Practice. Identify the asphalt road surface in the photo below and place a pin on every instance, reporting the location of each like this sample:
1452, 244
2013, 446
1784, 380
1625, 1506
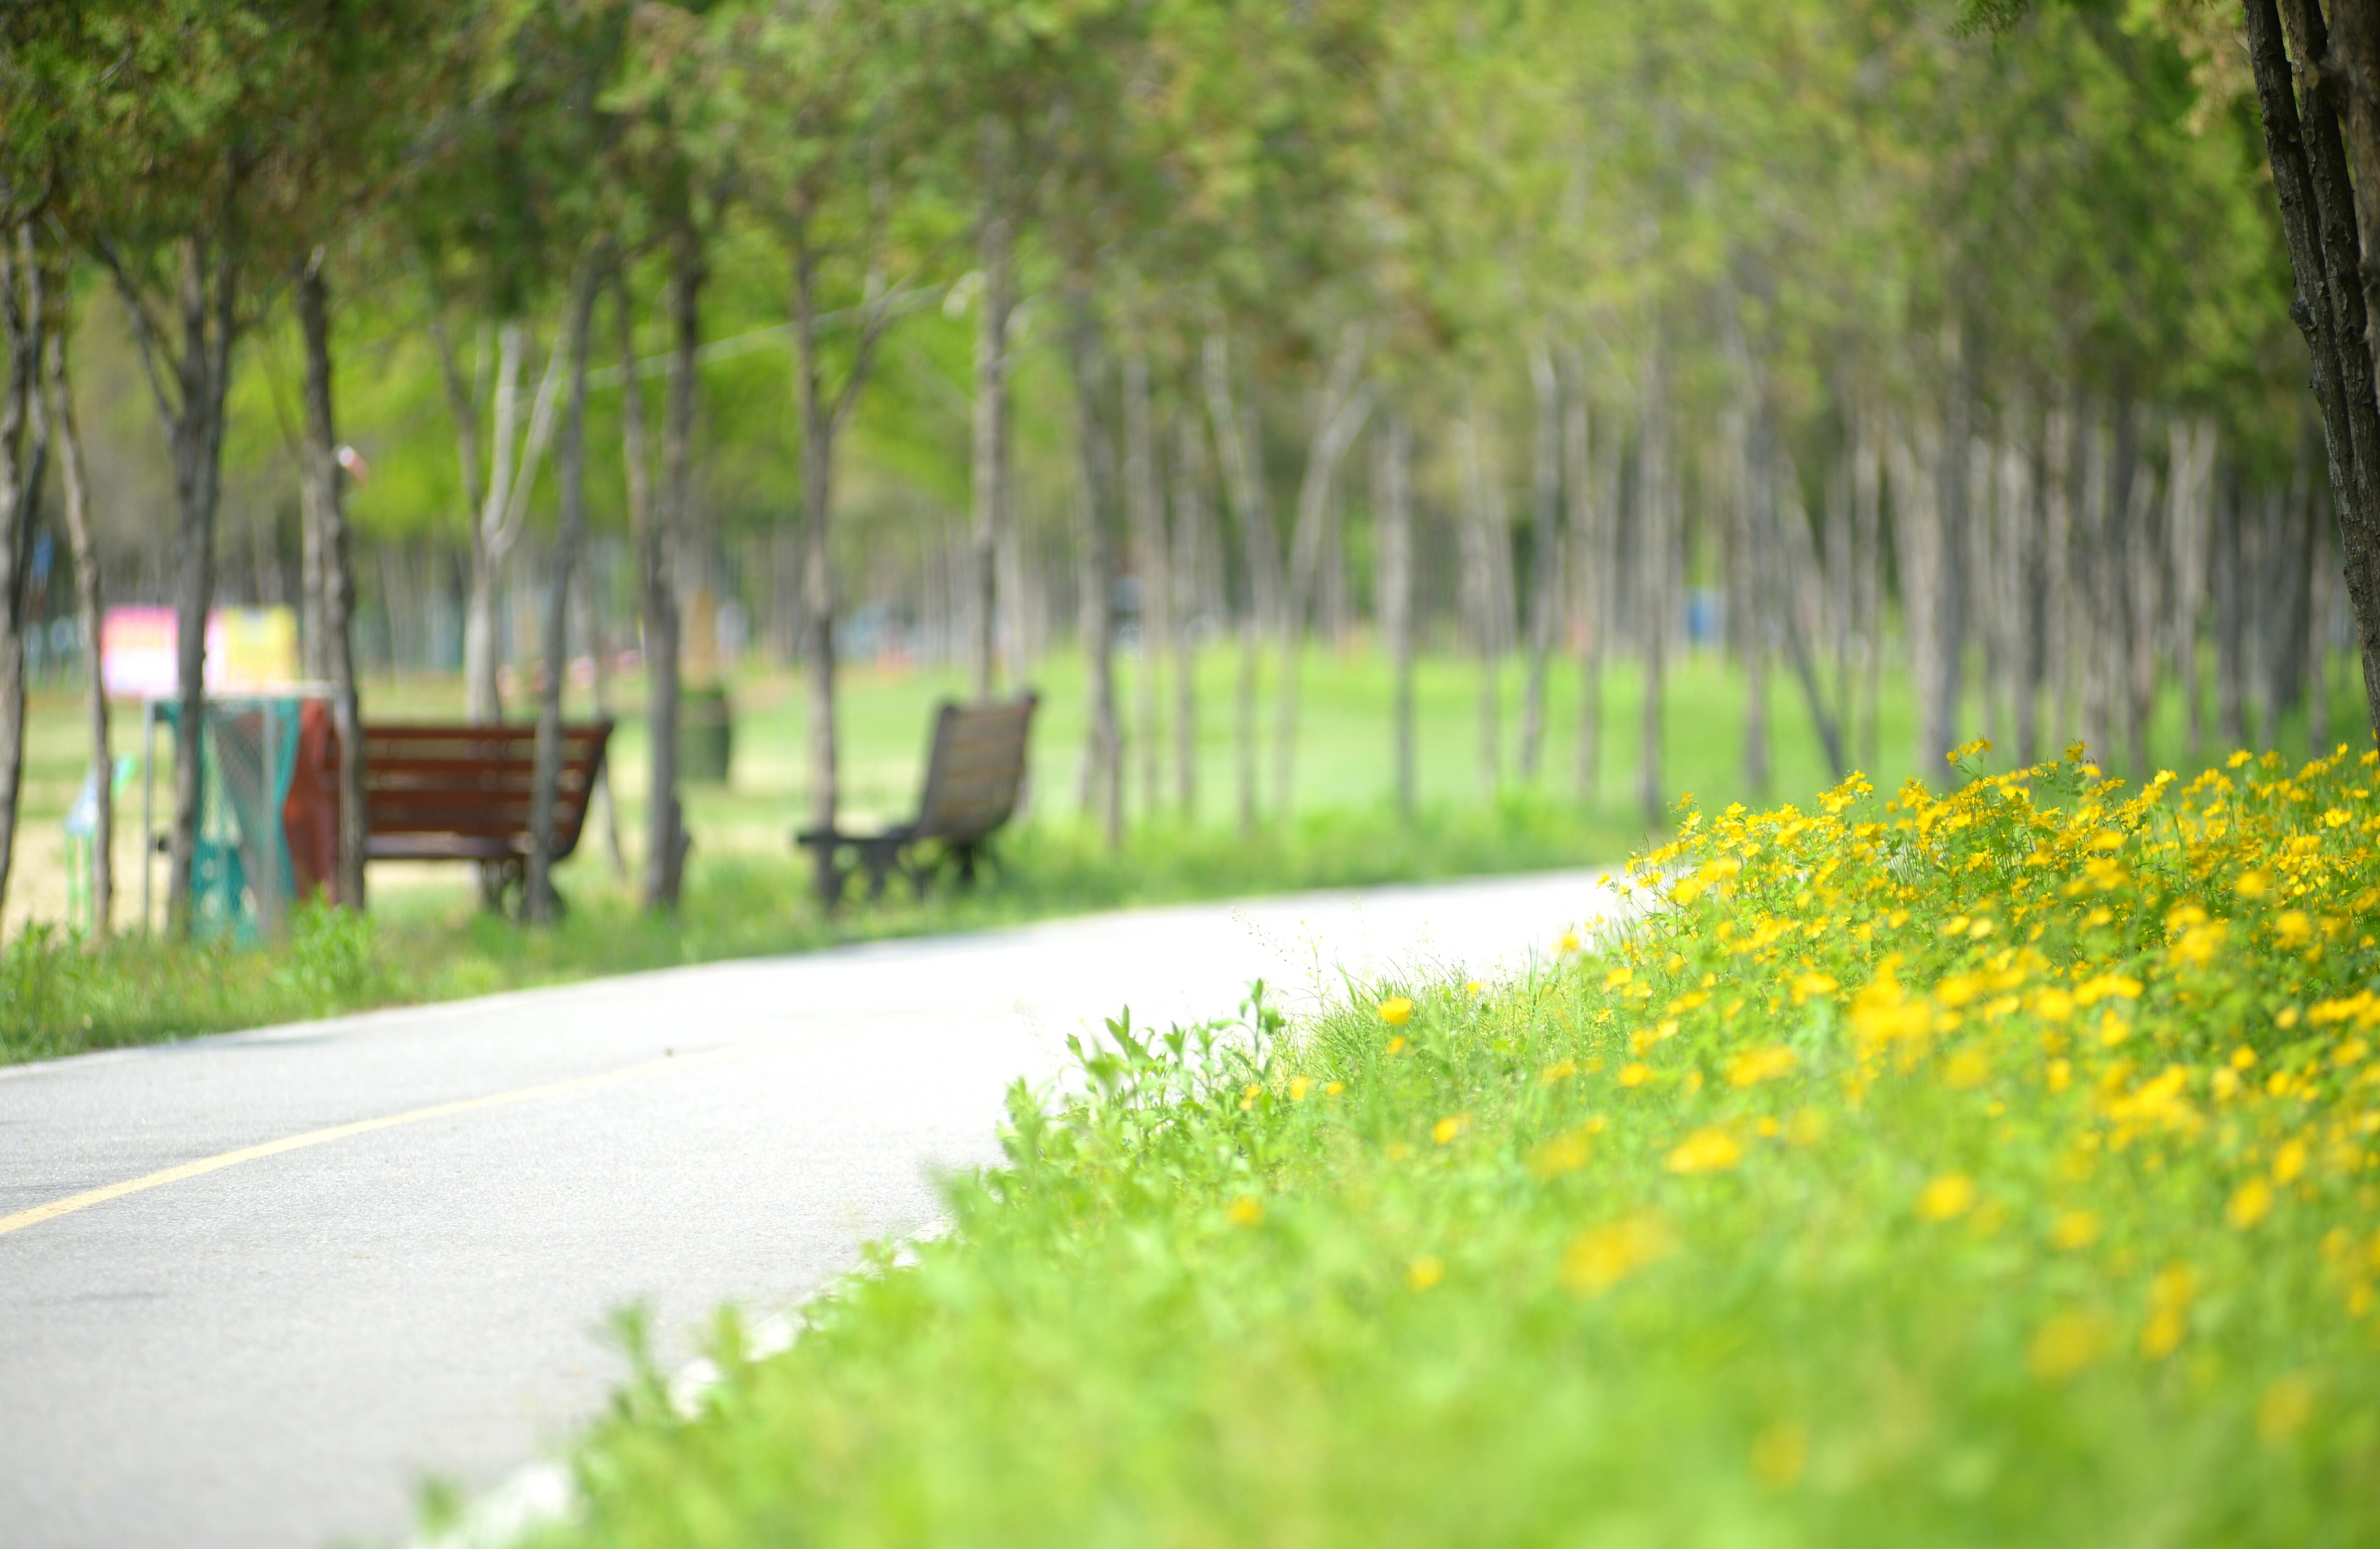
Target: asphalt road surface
382, 1248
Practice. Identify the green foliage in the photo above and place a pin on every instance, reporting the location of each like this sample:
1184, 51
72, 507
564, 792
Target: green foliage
58, 997
1984, 1169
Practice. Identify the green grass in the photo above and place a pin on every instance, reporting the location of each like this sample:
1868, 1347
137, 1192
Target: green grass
1994, 1170
746, 895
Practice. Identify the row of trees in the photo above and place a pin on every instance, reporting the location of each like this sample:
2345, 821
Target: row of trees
1845, 309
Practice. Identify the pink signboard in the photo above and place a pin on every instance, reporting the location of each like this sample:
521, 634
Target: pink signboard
249, 650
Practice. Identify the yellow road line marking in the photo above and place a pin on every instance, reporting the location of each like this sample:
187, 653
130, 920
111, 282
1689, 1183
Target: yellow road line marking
205, 1165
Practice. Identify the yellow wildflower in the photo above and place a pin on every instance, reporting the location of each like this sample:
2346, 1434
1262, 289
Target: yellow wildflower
1779, 1455
1708, 1150
1397, 1010
1755, 1065
1946, 1198
2074, 1229
2250, 1202
1425, 1272
2066, 1343
1602, 1258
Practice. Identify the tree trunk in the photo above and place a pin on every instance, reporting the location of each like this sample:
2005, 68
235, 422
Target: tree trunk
1103, 752
1148, 518
666, 837
1783, 552
2061, 470
989, 482
1592, 489
570, 469
1242, 478
1480, 594
1545, 607
483, 696
2230, 614
2191, 454
1339, 419
820, 705
24, 454
2318, 219
326, 519
657, 597
1746, 570
1656, 546
206, 307
2322, 582
1838, 572
1190, 526
1867, 534
89, 608
1918, 541
602, 797
1392, 481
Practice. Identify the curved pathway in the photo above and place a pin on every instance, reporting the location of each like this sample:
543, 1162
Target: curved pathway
254, 1289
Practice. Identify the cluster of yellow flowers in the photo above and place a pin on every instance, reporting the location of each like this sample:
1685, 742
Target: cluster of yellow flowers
2182, 976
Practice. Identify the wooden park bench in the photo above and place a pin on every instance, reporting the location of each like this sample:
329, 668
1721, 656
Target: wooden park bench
463, 793
974, 772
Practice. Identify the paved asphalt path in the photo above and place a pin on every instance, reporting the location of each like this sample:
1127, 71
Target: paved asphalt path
277, 1351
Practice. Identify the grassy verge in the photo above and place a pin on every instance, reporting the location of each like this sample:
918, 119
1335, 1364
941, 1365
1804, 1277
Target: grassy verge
57, 997
1989, 1169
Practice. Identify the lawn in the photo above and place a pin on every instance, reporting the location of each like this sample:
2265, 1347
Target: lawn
744, 893
1994, 1168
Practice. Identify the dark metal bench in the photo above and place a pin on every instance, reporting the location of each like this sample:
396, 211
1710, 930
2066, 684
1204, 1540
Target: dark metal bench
974, 772
463, 793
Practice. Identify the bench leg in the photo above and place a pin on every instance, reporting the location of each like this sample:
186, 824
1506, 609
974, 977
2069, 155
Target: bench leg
827, 874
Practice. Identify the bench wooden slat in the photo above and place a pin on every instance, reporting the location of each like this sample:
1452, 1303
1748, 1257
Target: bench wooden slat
975, 772
466, 793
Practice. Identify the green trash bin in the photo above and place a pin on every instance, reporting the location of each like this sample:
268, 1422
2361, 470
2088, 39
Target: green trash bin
706, 735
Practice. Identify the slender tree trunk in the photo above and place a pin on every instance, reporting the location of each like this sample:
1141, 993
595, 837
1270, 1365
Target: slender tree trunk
2230, 613
1340, 416
2191, 454
1393, 479
1839, 571
1784, 553
819, 707
1544, 608
657, 597
1148, 518
1867, 524
206, 303
1746, 570
1943, 693
2322, 583
602, 797
2035, 625
1480, 594
1103, 755
2061, 474
24, 454
570, 469
483, 697
1918, 540
1242, 478
1591, 514
990, 473
326, 519
1190, 526
1657, 544
89, 607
